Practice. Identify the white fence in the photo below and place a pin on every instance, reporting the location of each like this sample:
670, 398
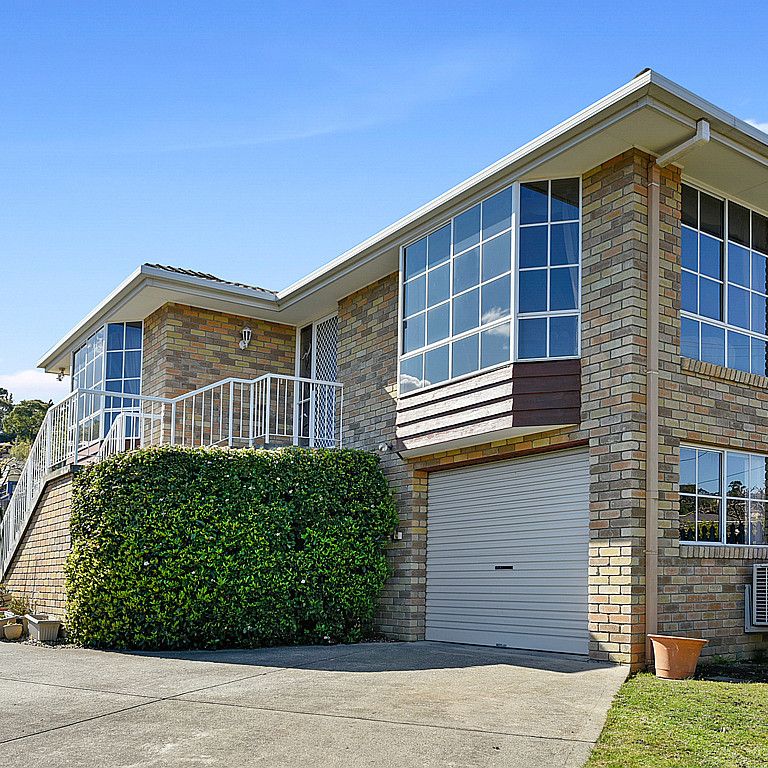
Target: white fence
270, 411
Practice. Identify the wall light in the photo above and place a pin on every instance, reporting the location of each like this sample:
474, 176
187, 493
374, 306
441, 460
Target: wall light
246, 337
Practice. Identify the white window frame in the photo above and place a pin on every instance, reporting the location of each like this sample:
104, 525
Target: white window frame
516, 270
101, 411
513, 317
722, 324
723, 497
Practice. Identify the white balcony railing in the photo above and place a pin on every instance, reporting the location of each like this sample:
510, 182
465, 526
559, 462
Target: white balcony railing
270, 411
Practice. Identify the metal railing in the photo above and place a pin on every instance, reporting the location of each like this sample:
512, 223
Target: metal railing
270, 411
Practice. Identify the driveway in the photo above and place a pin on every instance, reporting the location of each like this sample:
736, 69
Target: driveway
391, 704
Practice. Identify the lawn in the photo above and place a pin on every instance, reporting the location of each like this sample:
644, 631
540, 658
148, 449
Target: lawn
685, 724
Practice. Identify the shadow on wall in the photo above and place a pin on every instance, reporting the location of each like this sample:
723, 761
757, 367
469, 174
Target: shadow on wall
387, 657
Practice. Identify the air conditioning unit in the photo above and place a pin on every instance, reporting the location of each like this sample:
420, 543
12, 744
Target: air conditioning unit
760, 594
756, 600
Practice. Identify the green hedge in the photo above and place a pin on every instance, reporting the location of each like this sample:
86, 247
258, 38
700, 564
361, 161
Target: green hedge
177, 548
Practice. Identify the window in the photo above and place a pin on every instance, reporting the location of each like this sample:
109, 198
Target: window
88, 373
109, 360
548, 256
724, 283
123, 370
722, 496
457, 308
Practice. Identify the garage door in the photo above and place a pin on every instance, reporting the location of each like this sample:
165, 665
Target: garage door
507, 553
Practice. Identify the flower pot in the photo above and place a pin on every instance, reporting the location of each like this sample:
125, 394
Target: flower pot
41, 628
7, 617
13, 631
675, 658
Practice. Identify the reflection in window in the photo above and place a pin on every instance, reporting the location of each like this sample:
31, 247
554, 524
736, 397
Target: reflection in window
109, 360
458, 288
723, 284
457, 296
722, 496
548, 277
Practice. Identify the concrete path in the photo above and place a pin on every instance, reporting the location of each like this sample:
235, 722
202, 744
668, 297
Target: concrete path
398, 704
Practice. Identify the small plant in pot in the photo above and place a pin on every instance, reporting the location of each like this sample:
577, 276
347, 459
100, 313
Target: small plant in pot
675, 658
13, 631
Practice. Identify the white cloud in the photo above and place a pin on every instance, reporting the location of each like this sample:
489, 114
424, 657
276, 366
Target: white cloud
760, 126
34, 384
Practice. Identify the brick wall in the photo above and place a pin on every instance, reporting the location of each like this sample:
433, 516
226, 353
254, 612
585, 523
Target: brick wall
700, 593
367, 367
186, 348
37, 569
367, 363
614, 258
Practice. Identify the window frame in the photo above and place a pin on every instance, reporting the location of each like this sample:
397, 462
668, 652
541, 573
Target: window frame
513, 318
101, 412
723, 325
516, 270
723, 497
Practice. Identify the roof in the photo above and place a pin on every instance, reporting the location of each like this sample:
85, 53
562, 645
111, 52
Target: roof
207, 276
649, 112
11, 471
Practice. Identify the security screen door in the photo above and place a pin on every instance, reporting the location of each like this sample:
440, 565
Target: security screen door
318, 344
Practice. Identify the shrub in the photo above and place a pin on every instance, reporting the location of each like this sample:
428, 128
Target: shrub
180, 548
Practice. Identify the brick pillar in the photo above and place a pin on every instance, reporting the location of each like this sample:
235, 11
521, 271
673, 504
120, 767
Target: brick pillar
367, 366
614, 241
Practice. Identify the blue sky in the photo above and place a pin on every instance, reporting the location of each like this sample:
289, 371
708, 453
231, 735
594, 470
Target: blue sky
259, 140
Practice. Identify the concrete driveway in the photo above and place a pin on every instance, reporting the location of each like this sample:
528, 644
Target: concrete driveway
399, 704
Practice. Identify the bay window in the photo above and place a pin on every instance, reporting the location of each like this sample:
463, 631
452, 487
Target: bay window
722, 497
109, 360
724, 282
459, 282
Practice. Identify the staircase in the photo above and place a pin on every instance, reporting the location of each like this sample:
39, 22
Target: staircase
270, 411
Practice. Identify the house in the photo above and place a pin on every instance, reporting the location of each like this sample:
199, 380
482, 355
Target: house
9, 478
562, 361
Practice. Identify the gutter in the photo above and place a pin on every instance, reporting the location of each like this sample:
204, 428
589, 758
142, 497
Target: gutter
677, 153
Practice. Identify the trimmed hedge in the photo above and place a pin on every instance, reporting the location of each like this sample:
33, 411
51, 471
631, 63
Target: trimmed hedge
179, 548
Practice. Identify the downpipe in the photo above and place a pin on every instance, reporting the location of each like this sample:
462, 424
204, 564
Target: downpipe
653, 292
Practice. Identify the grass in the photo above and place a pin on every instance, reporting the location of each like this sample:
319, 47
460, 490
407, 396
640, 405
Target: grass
685, 724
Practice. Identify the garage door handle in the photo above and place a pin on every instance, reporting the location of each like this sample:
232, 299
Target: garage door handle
503, 567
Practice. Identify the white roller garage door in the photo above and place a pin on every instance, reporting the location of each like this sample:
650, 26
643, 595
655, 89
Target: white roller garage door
507, 553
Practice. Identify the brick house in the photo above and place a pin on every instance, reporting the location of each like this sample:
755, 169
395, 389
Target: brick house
562, 362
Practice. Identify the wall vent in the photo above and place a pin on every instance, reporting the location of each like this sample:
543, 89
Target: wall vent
760, 594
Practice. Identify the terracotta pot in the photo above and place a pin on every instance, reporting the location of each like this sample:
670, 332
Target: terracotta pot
12, 631
675, 658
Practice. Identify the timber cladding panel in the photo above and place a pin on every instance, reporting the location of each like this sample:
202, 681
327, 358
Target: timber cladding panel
522, 395
186, 348
37, 569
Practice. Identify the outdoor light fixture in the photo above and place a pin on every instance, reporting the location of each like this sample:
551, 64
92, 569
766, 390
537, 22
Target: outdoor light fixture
60, 375
384, 447
246, 340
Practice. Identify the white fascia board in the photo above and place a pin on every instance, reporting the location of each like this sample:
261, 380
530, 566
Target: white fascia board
708, 109
648, 89
101, 309
247, 300
293, 292
648, 81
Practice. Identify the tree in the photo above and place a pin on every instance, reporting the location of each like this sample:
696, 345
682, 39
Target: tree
25, 419
6, 406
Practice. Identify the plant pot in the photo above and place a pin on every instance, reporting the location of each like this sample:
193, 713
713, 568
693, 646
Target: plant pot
13, 631
675, 658
7, 617
41, 628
